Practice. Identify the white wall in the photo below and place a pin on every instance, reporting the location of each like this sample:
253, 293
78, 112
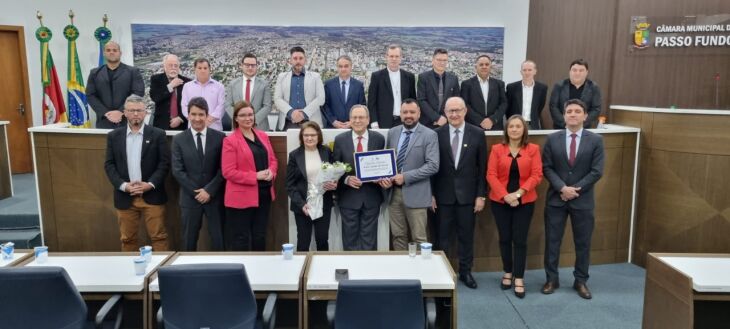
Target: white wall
513, 15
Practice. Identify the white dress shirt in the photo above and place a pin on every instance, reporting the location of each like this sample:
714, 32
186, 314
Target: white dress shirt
364, 141
527, 101
395, 86
484, 85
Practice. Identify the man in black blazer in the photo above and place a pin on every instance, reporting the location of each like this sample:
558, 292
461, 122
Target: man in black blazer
460, 185
137, 160
434, 88
166, 92
577, 86
527, 96
196, 164
359, 201
484, 97
572, 161
388, 88
108, 86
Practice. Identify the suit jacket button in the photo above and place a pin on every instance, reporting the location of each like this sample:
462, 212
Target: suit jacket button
570, 173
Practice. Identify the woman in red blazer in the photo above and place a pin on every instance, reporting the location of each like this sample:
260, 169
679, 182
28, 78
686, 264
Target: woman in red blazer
513, 172
248, 164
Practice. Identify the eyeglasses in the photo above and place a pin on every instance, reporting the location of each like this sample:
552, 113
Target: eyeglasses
136, 111
248, 65
454, 111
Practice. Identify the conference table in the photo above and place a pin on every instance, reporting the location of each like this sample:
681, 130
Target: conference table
687, 291
18, 257
268, 272
100, 275
435, 273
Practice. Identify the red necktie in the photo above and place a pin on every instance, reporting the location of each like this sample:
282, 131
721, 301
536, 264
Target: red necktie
173, 104
359, 143
248, 90
571, 157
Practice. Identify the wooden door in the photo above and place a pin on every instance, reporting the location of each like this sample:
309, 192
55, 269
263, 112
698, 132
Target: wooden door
15, 99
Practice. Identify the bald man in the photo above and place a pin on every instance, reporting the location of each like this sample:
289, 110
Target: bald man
166, 91
109, 86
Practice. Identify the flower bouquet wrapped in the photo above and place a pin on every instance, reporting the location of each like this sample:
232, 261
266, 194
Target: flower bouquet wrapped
315, 192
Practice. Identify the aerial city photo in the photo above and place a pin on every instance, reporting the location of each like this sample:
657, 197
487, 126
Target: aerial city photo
224, 46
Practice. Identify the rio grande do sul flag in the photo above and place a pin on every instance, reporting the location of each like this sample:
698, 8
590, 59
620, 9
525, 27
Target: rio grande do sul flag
54, 110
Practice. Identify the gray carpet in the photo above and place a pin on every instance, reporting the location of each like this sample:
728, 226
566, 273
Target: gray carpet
19, 220
618, 297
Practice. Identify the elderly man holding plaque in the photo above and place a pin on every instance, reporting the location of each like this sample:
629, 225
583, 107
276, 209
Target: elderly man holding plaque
359, 201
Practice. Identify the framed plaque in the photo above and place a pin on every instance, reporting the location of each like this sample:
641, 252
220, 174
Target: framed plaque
373, 165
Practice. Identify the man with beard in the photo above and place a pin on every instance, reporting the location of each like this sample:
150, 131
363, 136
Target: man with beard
166, 91
417, 159
137, 161
109, 86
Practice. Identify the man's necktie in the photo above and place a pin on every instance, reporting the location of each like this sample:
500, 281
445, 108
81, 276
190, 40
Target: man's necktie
402, 151
571, 157
344, 91
248, 90
455, 145
359, 143
200, 146
174, 112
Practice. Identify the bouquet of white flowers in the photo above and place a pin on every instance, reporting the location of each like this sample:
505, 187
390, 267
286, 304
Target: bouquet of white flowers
315, 192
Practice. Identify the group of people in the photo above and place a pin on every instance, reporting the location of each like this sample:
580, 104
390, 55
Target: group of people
435, 127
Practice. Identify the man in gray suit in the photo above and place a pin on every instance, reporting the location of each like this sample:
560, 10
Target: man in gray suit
572, 163
434, 88
196, 164
417, 160
253, 89
359, 201
298, 94
109, 86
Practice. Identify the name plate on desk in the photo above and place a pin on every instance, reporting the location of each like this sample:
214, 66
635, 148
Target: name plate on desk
373, 165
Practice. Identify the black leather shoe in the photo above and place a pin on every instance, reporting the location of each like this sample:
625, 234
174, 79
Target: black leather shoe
520, 294
550, 287
468, 280
582, 290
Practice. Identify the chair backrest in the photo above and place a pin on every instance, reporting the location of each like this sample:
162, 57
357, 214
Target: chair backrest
374, 304
206, 295
40, 297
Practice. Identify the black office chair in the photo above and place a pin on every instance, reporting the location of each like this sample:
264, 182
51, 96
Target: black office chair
381, 304
44, 297
210, 296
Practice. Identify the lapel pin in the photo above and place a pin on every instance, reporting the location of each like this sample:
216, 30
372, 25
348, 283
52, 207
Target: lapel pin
147, 141
465, 145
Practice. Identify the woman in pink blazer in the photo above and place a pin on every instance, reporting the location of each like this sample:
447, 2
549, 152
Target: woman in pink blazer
249, 166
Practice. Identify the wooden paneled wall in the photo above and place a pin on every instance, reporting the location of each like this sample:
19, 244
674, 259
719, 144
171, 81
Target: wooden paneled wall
683, 201
78, 209
599, 32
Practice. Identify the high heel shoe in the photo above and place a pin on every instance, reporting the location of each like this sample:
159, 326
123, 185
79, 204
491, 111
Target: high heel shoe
506, 286
520, 294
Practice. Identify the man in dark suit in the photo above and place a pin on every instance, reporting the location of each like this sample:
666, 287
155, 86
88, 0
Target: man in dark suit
341, 93
484, 97
577, 86
388, 88
460, 185
572, 162
165, 91
196, 164
434, 88
527, 96
137, 160
109, 86
359, 201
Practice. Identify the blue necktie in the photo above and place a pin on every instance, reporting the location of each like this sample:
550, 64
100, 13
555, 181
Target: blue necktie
344, 92
402, 151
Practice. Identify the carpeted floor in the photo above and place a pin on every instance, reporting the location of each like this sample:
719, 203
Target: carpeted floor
618, 297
